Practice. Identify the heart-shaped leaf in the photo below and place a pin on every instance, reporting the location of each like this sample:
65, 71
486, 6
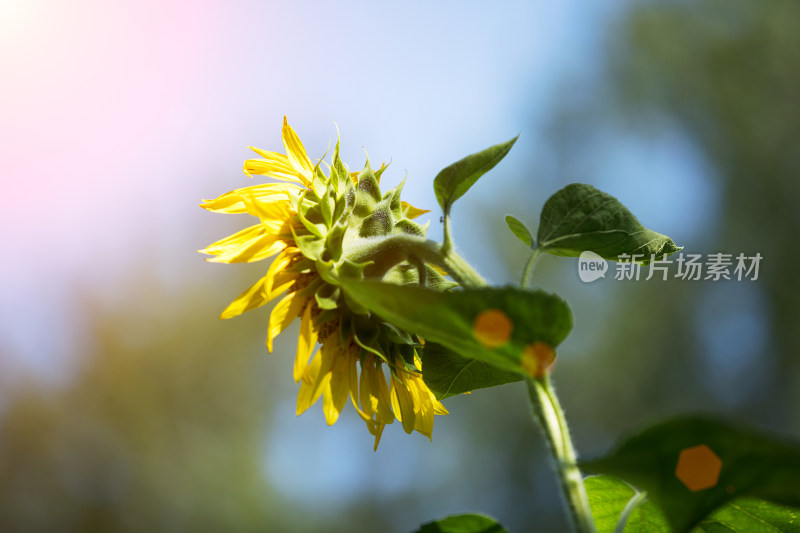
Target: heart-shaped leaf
580, 218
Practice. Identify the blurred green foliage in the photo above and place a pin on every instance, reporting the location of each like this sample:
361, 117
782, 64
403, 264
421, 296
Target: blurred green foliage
160, 430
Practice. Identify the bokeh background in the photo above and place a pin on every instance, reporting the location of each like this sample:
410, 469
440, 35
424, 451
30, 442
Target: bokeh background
125, 405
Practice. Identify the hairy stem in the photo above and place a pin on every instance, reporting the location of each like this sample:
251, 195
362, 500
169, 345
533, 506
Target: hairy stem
527, 272
409, 246
447, 245
547, 411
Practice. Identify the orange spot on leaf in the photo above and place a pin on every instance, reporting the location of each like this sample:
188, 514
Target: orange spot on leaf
698, 468
537, 358
492, 328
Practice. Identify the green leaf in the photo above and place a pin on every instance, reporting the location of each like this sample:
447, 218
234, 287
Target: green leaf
463, 523
752, 464
580, 218
610, 498
448, 374
520, 230
746, 515
452, 182
447, 318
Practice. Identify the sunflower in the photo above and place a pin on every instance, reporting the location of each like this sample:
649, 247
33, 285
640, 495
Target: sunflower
317, 226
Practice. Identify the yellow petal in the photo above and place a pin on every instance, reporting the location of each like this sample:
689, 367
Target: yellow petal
231, 202
369, 400
253, 297
423, 407
283, 280
354, 384
256, 249
296, 153
273, 164
305, 344
312, 385
233, 241
276, 210
261, 168
375, 392
284, 312
326, 355
411, 211
246, 237
335, 398
283, 260
402, 403
438, 408
376, 428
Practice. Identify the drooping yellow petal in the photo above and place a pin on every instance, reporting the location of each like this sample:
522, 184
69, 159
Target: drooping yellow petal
326, 356
375, 396
423, 407
283, 280
438, 408
312, 384
369, 401
296, 153
376, 429
354, 386
283, 260
402, 404
335, 398
411, 211
284, 312
352, 369
306, 343
255, 296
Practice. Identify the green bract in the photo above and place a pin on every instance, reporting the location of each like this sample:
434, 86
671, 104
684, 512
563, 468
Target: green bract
347, 229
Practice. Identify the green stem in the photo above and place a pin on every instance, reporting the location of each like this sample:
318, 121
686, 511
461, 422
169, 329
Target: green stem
447, 245
400, 247
548, 412
527, 272
461, 271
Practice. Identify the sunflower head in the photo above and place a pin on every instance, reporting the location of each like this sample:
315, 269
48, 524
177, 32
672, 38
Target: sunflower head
322, 223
